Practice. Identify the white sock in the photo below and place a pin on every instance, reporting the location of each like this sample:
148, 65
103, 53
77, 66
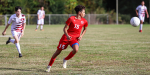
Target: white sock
141, 26
37, 26
41, 26
18, 47
12, 40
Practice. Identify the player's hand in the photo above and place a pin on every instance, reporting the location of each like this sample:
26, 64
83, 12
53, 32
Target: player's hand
3, 33
147, 16
137, 14
79, 39
22, 34
69, 37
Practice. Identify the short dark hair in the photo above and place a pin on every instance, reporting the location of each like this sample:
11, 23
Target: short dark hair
18, 7
79, 8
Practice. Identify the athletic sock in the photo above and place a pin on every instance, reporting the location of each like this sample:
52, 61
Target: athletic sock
12, 40
41, 27
18, 47
69, 56
51, 61
37, 26
141, 26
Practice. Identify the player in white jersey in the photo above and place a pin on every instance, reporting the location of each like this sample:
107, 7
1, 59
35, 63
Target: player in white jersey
41, 16
18, 21
140, 12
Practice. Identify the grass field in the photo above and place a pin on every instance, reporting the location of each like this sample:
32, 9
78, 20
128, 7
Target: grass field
104, 50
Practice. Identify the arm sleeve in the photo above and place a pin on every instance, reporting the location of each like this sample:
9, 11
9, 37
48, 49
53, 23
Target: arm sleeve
10, 20
24, 20
86, 24
145, 8
68, 21
38, 12
137, 8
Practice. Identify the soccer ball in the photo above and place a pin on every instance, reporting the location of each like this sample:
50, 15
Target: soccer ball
135, 21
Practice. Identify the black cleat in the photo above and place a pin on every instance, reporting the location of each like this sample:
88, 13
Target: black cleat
8, 41
20, 55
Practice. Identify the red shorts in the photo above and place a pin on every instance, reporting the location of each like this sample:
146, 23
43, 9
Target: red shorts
63, 43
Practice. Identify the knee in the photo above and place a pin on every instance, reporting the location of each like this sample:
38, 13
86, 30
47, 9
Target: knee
16, 41
141, 22
75, 51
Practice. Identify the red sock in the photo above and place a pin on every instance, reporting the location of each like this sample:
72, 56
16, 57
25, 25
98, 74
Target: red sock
69, 56
51, 61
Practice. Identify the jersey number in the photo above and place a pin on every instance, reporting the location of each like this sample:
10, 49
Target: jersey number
62, 46
76, 26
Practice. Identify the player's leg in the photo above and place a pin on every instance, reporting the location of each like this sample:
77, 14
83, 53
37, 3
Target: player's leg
62, 45
16, 37
41, 27
141, 23
42, 23
75, 47
52, 60
8, 41
38, 22
141, 26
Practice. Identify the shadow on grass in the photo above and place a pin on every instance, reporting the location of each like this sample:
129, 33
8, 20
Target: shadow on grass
30, 69
14, 69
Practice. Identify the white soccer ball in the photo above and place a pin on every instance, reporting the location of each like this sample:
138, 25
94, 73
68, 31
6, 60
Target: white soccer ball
135, 21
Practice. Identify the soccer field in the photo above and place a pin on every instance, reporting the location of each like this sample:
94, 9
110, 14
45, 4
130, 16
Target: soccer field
104, 50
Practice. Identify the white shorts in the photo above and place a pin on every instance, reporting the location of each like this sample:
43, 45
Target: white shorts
41, 21
14, 33
141, 17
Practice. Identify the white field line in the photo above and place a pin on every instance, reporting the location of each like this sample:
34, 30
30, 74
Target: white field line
107, 41
6, 36
100, 41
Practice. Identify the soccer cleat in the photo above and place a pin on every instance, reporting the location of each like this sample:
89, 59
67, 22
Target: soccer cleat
140, 30
8, 41
20, 55
48, 68
64, 63
35, 29
42, 30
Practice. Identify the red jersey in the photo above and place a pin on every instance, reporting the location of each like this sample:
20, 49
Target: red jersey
75, 26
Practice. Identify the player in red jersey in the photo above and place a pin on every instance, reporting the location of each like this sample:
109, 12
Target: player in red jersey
71, 35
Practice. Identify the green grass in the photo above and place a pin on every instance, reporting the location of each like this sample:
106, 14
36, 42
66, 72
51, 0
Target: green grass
104, 50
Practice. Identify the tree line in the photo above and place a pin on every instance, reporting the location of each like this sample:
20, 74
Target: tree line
126, 7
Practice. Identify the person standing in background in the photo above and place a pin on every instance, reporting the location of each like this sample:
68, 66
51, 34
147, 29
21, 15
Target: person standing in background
41, 16
140, 12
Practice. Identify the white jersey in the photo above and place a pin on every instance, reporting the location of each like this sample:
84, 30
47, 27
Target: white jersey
141, 10
41, 14
17, 22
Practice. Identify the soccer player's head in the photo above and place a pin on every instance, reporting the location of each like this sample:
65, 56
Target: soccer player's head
18, 10
80, 10
142, 3
42, 8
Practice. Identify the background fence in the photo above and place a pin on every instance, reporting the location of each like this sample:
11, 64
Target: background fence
31, 19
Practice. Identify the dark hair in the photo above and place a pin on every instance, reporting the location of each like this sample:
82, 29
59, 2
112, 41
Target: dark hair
79, 8
18, 7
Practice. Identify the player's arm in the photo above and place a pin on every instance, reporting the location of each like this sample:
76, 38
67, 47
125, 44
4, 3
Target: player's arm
9, 22
66, 33
38, 16
24, 25
83, 32
4, 32
147, 14
136, 12
44, 15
